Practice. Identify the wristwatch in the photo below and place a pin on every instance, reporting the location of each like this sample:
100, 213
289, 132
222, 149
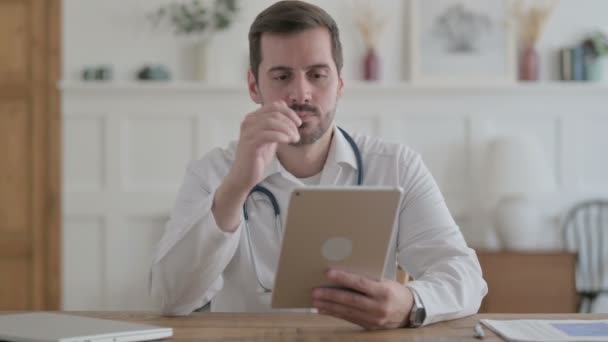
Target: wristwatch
418, 313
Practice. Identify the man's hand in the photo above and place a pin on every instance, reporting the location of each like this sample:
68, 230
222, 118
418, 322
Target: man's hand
375, 304
261, 132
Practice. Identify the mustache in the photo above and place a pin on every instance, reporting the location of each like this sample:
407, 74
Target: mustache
304, 107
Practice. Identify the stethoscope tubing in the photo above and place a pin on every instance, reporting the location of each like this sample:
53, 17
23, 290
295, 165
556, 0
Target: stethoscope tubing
277, 210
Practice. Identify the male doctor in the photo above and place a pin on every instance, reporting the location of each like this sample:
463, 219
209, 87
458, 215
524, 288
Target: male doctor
292, 140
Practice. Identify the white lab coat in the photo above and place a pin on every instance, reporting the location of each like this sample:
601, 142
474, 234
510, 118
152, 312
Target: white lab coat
195, 262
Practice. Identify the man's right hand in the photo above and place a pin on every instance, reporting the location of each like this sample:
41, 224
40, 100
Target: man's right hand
261, 132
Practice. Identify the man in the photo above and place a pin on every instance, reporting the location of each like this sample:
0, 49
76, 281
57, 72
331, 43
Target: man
210, 254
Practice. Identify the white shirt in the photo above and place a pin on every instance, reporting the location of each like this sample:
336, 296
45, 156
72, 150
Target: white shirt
312, 180
196, 262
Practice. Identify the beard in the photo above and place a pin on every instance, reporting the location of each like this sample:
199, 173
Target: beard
310, 132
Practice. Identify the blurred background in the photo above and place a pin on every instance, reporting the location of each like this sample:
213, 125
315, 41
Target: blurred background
103, 104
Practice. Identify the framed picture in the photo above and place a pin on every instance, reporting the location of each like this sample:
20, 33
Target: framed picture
461, 41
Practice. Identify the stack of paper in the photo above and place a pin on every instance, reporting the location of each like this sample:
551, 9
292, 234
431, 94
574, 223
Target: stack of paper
550, 330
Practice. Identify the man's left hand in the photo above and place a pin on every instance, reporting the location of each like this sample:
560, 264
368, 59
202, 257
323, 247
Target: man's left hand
373, 304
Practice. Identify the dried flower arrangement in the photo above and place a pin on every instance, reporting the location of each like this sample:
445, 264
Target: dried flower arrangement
369, 22
532, 19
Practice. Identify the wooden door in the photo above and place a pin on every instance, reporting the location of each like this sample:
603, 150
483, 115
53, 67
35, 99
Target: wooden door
29, 155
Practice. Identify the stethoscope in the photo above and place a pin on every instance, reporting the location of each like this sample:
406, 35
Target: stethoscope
277, 211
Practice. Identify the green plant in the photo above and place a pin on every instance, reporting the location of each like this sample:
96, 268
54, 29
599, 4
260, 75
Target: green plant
596, 45
191, 17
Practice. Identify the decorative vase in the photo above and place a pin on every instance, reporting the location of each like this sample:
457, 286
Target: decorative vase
201, 59
529, 64
371, 65
518, 223
597, 70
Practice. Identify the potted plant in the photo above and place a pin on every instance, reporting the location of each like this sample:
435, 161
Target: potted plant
197, 18
596, 52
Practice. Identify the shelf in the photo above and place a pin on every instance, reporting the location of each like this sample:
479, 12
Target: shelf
350, 86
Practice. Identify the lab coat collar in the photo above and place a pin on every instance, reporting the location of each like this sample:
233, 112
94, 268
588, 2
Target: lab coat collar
340, 152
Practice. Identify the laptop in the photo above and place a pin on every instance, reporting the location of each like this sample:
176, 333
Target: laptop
55, 327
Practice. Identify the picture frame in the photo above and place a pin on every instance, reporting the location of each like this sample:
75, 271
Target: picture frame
461, 41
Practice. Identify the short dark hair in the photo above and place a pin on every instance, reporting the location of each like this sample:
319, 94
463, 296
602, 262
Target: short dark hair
291, 16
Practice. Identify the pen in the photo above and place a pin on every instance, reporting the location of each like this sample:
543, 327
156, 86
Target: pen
478, 331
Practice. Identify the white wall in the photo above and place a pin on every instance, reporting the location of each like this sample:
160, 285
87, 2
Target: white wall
126, 147
116, 32
117, 197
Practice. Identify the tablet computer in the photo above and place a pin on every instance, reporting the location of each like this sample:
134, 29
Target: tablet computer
347, 228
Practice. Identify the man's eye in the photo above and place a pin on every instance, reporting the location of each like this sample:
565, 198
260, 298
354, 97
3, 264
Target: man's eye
281, 77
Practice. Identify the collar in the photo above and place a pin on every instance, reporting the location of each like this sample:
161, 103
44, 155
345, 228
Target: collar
340, 152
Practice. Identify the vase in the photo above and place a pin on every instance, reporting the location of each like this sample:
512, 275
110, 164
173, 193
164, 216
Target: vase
371, 65
597, 70
201, 60
517, 223
529, 64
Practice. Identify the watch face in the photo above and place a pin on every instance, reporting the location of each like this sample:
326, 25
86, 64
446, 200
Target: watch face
420, 316
418, 313
416, 316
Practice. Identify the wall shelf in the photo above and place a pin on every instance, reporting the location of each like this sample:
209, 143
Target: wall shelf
350, 86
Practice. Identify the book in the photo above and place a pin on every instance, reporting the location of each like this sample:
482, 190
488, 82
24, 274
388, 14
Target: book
565, 64
578, 63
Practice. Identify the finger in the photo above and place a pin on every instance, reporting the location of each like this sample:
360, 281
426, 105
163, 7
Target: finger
284, 109
283, 125
345, 297
355, 320
280, 116
259, 122
258, 118
272, 137
356, 282
347, 313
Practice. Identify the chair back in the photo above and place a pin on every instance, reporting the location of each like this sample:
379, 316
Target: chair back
585, 231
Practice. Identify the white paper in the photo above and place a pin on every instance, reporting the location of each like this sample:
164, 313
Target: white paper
549, 330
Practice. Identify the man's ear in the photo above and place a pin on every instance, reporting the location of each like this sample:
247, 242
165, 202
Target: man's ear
254, 91
340, 84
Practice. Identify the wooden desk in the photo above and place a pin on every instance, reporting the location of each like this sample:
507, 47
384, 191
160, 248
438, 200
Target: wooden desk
311, 327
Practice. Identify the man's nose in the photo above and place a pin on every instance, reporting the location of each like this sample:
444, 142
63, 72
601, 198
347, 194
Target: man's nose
299, 91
